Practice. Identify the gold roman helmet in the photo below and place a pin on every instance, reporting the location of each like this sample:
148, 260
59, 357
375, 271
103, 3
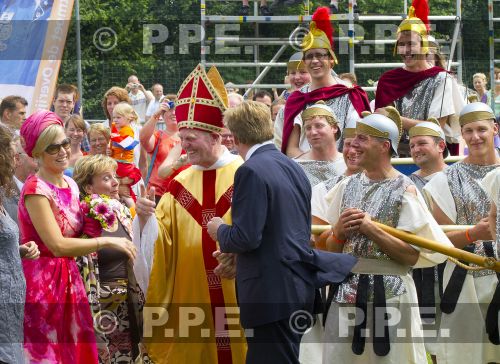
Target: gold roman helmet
321, 109
417, 22
295, 62
350, 129
431, 128
320, 33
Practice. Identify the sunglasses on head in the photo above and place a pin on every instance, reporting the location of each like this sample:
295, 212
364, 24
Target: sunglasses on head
55, 148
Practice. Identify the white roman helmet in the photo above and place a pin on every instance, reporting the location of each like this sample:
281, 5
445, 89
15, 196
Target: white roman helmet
350, 129
429, 128
387, 127
475, 111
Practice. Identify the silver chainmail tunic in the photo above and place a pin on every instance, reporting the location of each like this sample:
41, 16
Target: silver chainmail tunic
419, 181
471, 201
330, 183
318, 171
417, 102
383, 201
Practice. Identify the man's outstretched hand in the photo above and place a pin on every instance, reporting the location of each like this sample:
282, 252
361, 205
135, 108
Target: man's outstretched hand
145, 205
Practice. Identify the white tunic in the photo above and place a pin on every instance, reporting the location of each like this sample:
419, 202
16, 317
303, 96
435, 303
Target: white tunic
463, 337
491, 184
408, 346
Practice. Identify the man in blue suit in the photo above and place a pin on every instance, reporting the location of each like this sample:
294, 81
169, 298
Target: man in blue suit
277, 272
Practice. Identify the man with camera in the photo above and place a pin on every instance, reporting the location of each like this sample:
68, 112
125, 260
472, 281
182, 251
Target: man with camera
139, 97
154, 105
158, 143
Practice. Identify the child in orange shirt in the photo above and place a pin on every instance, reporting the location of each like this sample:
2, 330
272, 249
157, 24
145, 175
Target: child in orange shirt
122, 146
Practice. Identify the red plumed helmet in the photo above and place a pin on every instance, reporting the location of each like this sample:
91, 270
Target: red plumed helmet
320, 32
422, 11
322, 19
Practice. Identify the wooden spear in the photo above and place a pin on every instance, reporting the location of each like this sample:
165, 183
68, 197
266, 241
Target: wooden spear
486, 262
318, 229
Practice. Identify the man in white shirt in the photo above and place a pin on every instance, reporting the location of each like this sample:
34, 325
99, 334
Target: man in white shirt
154, 105
139, 97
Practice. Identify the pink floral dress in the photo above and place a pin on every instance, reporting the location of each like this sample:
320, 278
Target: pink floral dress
57, 321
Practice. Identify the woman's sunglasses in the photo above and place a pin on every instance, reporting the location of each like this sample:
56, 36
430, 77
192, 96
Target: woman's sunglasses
55, 148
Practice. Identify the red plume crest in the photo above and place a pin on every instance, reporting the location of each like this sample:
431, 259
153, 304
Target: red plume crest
422, 11
322, 19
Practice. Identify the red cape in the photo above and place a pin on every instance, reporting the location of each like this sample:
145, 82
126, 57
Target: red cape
297, 101
396, 83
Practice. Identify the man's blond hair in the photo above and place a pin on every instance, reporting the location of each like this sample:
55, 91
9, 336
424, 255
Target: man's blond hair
250, 122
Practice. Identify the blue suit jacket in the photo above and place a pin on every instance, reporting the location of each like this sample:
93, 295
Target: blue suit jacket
277, 271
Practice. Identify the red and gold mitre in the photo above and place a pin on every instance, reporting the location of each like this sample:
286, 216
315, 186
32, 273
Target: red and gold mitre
201, 101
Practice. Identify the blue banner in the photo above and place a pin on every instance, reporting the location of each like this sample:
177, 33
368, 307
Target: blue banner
32, 38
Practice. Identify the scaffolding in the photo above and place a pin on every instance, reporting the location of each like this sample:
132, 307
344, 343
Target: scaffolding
492, 43
262, 67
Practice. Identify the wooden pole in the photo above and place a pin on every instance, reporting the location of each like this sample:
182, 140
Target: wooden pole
318, 229
451, 251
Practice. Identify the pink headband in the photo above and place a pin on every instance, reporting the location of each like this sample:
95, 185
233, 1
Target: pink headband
34, 126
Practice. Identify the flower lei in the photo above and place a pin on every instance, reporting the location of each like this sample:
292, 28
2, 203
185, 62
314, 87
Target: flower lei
102, 209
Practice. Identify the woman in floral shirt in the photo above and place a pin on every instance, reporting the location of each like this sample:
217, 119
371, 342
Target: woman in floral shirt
117, 305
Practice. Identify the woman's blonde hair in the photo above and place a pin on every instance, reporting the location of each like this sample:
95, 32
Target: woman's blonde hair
126, 110
89, 166
45, 139
77, 121
100, 128
481, 76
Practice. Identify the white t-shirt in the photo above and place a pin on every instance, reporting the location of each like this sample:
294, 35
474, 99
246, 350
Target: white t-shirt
139, 103
153, 107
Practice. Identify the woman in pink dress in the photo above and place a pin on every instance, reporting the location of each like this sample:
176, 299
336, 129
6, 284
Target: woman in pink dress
57, 323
